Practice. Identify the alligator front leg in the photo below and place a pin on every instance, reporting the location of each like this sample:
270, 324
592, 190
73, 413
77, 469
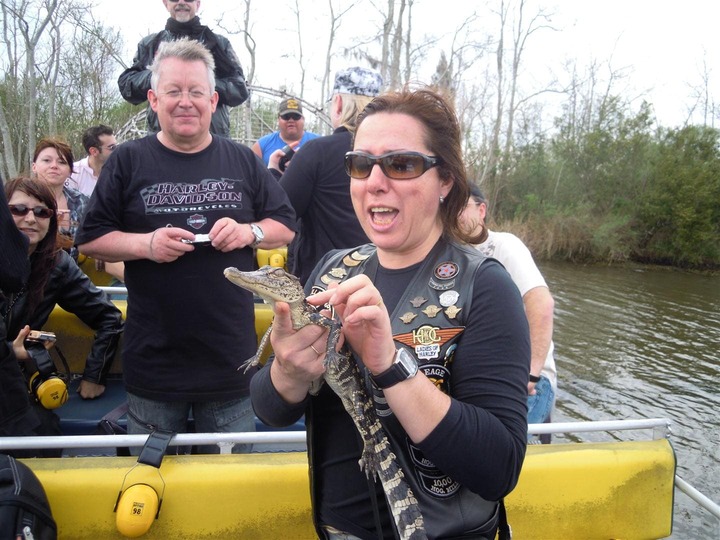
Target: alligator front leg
254, 361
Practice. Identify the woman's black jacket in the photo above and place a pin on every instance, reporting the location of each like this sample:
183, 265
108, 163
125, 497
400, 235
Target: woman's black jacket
69, 287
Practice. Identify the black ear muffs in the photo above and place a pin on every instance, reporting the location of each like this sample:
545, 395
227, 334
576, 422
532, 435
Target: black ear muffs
50, 391
138, 505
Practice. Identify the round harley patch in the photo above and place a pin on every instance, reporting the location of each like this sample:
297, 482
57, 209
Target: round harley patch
446, 270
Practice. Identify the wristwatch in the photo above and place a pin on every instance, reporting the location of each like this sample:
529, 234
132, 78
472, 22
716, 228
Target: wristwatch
404, 367
259, 234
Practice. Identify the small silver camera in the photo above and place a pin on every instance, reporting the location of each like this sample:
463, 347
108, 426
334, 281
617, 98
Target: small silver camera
200, 240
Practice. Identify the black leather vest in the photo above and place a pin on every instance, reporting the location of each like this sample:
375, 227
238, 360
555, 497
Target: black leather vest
428, 321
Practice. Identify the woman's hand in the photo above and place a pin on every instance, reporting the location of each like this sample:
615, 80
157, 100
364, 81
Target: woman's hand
19, 344
299, 355
366, 323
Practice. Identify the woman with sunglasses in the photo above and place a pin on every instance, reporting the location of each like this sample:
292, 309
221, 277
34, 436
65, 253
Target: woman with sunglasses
52, 163
16, 415
55, 279
438, 331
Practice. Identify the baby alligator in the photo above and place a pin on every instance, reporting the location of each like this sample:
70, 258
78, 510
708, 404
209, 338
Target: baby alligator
273, 284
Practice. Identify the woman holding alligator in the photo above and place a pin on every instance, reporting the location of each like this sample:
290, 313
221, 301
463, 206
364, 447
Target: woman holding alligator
438, 331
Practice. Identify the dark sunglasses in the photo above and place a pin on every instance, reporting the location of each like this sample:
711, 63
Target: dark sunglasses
23, 210
291, 116
395, 165
176, 1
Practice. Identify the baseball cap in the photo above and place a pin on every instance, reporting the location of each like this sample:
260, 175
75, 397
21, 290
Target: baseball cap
358, 80
477, 193
289, 105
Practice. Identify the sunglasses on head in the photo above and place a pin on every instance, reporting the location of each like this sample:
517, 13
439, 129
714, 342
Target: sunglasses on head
23, 210
395, 165
291, 116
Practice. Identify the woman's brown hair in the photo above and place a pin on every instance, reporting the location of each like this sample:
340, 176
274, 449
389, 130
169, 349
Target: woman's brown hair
63, 149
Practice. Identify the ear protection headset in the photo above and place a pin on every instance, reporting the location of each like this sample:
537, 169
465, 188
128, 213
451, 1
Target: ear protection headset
50, 391
277, 260
138, 505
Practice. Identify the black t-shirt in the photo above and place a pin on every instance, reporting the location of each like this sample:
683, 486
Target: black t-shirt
319, 190
188, 328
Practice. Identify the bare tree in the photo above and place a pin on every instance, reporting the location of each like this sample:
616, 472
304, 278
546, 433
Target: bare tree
24, 25
703, 104
300, 57
387, 30
250, 44
233, 28
335, 23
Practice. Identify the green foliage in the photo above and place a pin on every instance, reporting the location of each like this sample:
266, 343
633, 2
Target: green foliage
618, 190
679, 213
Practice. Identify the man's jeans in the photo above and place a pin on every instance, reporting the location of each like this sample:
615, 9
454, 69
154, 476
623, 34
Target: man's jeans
145, 415
540, 405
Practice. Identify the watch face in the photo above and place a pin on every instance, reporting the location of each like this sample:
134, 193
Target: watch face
404, 367
407, 362
258, 232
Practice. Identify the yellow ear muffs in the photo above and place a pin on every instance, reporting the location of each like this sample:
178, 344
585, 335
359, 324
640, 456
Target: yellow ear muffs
51, 392
136, 509
139, 505
277, 260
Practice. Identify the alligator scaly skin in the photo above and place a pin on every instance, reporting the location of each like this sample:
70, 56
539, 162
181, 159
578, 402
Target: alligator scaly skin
343, 376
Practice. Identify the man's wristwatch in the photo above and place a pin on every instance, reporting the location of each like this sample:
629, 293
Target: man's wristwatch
404, 367
259, 234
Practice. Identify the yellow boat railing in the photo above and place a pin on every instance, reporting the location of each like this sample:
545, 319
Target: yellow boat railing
616, 489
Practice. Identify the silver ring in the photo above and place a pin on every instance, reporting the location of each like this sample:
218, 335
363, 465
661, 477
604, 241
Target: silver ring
316, 351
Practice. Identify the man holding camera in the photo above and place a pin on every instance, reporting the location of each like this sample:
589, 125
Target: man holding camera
179, 207
291, 132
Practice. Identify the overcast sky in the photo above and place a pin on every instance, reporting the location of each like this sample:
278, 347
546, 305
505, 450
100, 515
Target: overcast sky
661, 45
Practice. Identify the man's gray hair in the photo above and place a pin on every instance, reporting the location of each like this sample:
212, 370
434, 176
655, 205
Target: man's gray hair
187, 50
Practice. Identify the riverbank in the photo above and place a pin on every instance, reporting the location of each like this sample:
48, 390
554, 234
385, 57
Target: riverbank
571, 239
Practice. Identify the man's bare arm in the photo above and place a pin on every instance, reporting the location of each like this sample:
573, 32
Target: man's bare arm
539, 308
161, 245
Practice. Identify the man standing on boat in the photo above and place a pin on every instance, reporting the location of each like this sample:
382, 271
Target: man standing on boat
537, 300
134, 82
188, 329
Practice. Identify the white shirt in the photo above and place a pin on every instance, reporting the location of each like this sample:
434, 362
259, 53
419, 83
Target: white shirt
82, 178
518, 261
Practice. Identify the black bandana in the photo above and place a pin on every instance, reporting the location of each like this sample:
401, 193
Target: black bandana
192, 29
224, 65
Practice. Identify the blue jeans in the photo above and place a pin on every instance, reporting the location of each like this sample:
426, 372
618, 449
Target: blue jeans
145, 415
540, 405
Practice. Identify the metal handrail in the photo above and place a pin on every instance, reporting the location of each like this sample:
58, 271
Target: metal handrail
698, 497
114, 290
277, 437
181, 439
660, 427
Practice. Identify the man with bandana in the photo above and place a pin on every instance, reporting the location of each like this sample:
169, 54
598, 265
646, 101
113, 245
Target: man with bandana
134, 82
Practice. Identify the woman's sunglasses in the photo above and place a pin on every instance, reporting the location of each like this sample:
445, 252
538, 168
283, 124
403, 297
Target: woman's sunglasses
23, 210
395, 165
